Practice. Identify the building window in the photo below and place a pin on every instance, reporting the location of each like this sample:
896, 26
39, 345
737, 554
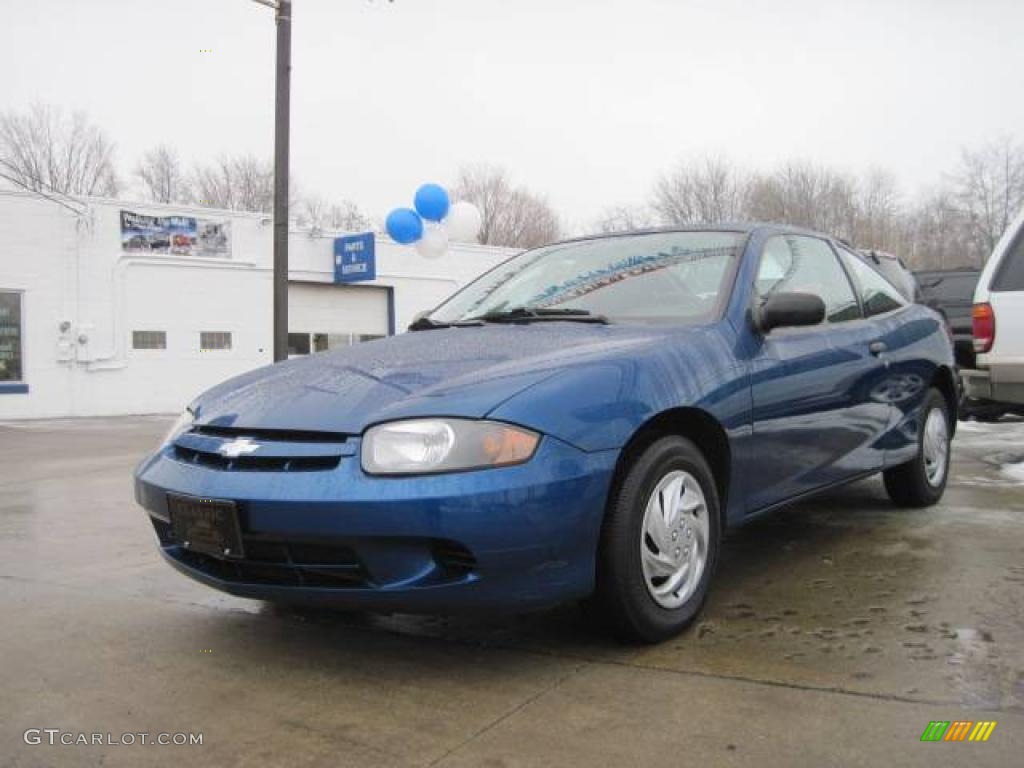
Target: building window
338, 340
149, 339
11, 335
304, 343
298, 343
211, 340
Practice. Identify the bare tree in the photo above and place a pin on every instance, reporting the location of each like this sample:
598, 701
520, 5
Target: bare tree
162, 177
936, 234
46, 151
701, 192
528, 221
512, 216
315, 211
989, 186
877, 214
955, 224
235, 182
806, 195
488, 189
623, 218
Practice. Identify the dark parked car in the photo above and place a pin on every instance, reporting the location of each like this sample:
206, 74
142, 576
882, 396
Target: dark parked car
950, 292
584, 420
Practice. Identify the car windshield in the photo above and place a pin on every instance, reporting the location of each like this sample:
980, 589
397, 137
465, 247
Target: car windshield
661, 277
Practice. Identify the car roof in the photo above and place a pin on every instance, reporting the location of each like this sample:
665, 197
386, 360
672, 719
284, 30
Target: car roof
744, 228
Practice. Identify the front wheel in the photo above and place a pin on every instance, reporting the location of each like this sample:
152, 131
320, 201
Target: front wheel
660, 542
921, 481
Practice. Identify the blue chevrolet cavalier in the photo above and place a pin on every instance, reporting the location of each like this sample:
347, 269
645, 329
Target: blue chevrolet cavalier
583, 421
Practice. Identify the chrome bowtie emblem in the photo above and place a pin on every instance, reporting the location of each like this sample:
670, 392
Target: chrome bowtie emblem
238, 447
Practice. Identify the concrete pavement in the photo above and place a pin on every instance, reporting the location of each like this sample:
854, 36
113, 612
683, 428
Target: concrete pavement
835, 632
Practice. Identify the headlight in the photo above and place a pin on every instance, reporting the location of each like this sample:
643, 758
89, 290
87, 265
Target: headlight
444, 445
184, 422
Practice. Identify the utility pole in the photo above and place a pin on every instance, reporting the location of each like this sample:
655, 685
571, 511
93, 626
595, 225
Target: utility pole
282, 105
282, 120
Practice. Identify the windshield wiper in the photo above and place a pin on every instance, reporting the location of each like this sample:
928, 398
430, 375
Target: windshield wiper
426, 324
540, 314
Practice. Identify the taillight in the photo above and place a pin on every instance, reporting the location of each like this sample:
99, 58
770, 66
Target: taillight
984, 326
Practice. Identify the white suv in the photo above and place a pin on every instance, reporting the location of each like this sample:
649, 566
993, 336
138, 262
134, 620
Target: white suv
998, 317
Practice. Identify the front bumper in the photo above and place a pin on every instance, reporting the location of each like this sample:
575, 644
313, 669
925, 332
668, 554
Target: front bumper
510, 538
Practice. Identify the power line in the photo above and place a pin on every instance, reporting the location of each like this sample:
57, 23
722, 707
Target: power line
51, 198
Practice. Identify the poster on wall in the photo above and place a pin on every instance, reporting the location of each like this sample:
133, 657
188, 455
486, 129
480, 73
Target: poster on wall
178, 235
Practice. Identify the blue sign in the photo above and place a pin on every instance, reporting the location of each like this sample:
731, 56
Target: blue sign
354, 258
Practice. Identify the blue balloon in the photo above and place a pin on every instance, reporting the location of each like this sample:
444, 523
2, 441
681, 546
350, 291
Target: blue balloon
432, 202
404, 226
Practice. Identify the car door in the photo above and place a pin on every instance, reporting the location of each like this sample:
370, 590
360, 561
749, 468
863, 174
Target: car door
907, 370
814, 421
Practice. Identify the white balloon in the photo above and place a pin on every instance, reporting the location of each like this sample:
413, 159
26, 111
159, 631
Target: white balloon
434, 243
463, 222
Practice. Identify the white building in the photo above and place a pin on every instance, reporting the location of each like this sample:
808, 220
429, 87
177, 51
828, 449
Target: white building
101, 315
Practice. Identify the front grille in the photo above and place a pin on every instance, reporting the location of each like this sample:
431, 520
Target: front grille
283, 564
255, 463
271, 435
323, 564
276, 574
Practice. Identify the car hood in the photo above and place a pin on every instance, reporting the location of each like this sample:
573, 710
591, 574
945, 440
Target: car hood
465, 372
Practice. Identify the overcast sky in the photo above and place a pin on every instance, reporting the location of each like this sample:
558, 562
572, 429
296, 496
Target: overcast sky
583, 100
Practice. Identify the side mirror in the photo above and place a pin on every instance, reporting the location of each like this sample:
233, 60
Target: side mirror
781, 310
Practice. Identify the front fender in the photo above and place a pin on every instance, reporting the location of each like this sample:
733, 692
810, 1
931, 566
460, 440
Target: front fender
600, 405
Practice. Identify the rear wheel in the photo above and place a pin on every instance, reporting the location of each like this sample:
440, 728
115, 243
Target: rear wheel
660, 542
921, 481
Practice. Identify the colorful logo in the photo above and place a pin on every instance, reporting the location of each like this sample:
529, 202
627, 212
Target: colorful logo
958, 730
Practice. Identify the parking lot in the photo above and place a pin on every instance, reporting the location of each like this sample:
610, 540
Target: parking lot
834, 633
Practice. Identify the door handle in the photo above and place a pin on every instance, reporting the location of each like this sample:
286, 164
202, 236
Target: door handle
876, 348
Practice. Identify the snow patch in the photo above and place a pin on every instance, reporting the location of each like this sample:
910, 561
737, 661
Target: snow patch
1015, 472
976, 426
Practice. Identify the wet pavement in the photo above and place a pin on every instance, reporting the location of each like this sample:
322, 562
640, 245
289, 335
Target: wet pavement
835, 631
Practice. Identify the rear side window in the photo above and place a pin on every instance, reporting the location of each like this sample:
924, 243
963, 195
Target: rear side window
794, 263
877, 294
1010, 275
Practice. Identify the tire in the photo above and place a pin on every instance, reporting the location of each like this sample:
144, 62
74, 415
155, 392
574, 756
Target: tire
919, 482
686, 551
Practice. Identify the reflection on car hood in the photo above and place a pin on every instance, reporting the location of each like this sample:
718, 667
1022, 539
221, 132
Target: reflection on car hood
453, 372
